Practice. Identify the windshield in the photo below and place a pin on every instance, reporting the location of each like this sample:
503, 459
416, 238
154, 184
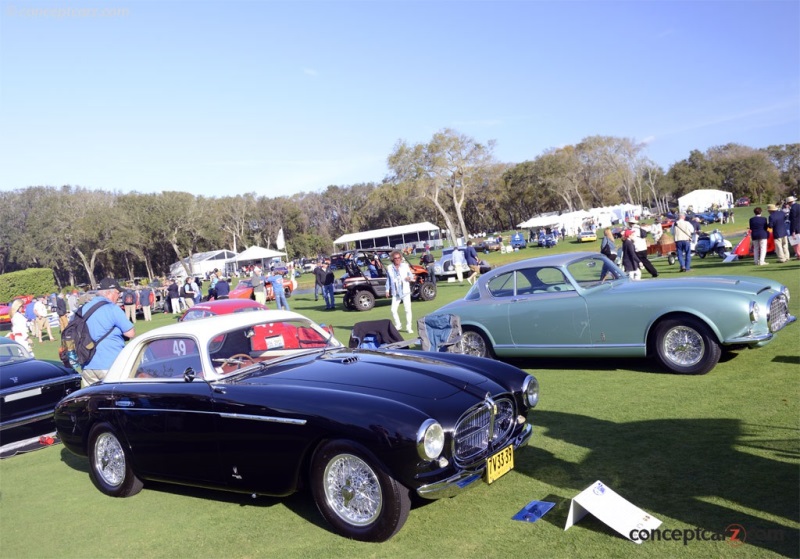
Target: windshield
169, 357
13, 353
594, 270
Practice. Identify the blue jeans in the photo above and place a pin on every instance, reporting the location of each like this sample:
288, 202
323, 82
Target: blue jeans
280, 299
684, 250
327, 292
318, 288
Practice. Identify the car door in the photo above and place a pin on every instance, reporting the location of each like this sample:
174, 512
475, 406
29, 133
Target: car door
546, 311
262, 440
169, 422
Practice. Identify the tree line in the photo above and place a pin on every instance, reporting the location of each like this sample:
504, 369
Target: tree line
451, 180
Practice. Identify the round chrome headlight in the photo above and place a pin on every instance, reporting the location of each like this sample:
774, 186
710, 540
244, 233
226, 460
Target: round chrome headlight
430, 440
531, 390
755, 312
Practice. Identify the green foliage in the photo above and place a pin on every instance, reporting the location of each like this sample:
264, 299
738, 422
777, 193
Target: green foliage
452, 181
33, 281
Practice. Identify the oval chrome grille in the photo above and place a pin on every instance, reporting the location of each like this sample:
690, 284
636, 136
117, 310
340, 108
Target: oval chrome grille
778, 315
482, 430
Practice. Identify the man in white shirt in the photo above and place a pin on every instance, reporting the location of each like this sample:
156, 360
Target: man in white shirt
40, 310
398, 287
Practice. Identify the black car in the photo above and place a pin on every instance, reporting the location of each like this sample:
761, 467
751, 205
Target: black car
29, 388
365, 282
267, 402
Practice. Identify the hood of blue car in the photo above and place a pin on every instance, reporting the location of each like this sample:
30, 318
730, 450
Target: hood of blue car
738, 284
376, 372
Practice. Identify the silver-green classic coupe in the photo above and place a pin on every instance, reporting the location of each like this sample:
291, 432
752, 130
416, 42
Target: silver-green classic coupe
583, 305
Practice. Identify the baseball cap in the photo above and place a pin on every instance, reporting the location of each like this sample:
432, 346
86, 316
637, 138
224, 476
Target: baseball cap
110, 283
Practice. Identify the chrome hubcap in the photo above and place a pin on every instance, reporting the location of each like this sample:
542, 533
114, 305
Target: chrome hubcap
684, 346
473, 344
352, 490
109, 459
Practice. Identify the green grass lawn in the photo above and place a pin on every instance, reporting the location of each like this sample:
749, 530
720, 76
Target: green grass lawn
699, 453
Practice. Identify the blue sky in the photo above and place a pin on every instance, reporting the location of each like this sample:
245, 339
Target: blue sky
223, 98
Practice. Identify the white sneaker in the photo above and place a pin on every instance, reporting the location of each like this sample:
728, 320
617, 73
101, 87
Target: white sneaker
410, 330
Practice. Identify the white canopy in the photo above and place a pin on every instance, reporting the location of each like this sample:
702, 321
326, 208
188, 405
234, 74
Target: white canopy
256, 253
701, 200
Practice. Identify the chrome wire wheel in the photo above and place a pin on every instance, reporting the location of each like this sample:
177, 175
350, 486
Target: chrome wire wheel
683, 346
473, 343
352, 490
109, 459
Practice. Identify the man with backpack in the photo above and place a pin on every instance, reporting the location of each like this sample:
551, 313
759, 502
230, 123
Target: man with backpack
129, 297
108, 327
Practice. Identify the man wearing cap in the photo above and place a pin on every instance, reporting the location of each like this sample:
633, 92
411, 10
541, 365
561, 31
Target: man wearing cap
794, 222
777, 221
109, 327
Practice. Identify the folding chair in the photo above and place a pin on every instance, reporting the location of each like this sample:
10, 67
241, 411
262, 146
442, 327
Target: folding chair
377, 334
440, 332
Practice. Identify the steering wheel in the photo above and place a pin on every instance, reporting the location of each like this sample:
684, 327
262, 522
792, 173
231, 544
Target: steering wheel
238, 359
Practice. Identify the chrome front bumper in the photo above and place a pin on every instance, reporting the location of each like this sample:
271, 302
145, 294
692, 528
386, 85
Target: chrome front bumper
455, 484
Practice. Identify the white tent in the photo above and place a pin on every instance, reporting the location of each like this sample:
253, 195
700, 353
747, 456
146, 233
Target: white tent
201, 263
262, 255
257, 253
702, 200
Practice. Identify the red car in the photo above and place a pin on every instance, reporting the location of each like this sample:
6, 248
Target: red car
244, 290
221, 306
5, 313
743, 201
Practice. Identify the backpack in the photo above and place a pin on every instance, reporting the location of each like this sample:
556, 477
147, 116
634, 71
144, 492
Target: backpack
77, 346
129, 297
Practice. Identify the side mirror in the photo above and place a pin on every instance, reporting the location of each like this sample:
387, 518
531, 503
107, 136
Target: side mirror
189, 374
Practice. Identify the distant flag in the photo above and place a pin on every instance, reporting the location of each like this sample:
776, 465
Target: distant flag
280, 242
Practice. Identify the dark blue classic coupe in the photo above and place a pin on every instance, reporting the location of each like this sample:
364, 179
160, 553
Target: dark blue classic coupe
29, 388
268, 402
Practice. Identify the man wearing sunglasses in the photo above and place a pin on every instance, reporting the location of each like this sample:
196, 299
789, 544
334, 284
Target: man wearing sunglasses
398, 286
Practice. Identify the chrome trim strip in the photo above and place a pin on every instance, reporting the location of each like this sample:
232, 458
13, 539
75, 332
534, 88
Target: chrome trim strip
566, 346
266, 418
27, 419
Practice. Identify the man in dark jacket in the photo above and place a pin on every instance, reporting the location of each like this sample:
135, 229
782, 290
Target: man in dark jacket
777, 222
794, 222
472, 261
759, 236
61, 310
319, 281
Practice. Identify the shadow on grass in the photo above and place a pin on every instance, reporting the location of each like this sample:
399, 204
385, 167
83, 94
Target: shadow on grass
708, 473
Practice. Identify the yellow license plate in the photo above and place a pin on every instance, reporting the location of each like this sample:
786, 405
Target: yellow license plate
500, 464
